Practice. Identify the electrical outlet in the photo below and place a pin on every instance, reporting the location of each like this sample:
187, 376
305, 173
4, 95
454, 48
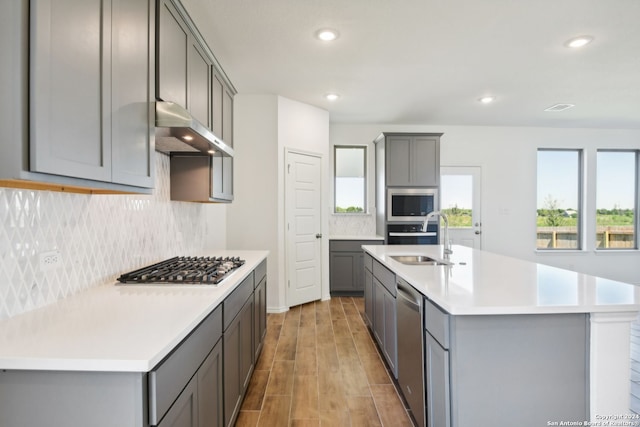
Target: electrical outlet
50, 260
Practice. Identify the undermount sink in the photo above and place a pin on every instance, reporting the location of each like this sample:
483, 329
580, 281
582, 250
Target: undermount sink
418, 260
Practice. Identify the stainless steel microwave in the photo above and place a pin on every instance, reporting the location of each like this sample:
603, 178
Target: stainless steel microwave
410, 204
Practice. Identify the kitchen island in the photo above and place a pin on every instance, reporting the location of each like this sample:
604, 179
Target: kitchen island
119, 355
496, 313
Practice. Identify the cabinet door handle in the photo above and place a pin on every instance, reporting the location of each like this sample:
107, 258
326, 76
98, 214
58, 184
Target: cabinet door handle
319, 236
478, 231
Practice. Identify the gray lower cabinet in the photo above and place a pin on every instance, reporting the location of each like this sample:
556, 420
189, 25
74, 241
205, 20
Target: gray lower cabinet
170, 403
210, 389
184, 412
238, 347
260, 314
380, 309
346, 262
492, 369
90, 96
437, 392
368, 293
201, 401
201, 383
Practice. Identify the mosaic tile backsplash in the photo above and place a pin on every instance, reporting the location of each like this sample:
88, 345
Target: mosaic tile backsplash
96, 237
352, 225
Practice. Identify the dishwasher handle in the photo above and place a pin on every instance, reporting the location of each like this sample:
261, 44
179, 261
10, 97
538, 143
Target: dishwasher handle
410, 298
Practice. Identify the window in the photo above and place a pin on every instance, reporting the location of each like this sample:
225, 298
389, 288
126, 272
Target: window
559, 199
616, 202
350, 179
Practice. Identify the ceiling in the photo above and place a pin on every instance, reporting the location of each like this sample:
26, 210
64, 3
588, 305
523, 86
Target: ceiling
429, 61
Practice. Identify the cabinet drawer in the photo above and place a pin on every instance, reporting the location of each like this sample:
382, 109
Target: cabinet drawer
436, 323
260, 272
368, 262
167, 380
234, 302
346, 245
385, 276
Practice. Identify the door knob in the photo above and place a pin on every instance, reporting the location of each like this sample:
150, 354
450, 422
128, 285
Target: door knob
319, 235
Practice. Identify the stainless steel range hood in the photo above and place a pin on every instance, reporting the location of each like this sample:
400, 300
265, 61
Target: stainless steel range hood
178, 131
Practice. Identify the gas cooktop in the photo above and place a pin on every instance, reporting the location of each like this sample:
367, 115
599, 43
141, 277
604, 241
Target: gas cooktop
185, 270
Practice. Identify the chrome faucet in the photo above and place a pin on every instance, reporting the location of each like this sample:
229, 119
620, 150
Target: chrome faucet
447, 245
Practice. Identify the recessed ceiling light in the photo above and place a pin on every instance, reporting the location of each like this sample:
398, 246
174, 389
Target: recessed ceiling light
327, 34
487, 99
578, 41
559, 107
187, 137
332, 96
211, 151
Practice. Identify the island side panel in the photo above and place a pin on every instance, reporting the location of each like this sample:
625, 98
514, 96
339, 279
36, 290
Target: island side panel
611, 365
511, 370
73, 399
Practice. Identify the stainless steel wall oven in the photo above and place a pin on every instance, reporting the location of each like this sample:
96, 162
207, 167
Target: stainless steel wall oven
406, 211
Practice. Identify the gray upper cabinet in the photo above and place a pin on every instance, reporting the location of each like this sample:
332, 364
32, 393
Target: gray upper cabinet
184, 68
199, 84
222, 101
187, 72
412, 160
217, 92
173, 48
133, 113
189, 75
227, 117
90, 114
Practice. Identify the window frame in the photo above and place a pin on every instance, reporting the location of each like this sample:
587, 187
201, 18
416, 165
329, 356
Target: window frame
335, 183
636, 202
580, 219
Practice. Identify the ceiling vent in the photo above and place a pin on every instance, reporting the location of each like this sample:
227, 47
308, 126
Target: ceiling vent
559, 107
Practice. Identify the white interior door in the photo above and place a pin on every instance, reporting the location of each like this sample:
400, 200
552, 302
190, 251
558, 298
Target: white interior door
460, 198
303, 227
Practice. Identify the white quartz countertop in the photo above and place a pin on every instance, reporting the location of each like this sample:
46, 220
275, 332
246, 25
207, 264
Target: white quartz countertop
481, 282
114, 327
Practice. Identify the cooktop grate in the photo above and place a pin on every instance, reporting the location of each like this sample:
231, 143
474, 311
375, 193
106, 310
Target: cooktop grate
185, 270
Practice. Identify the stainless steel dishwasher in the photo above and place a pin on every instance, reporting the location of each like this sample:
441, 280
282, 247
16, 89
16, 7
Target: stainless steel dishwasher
410, 348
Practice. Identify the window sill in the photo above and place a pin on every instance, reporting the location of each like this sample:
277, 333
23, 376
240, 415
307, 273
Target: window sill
560, 251
610, 252
616, 252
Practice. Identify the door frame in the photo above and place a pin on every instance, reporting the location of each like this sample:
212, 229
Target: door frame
324, 288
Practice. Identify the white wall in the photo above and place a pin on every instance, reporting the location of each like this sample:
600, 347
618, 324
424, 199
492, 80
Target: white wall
252, 219
507, 157
264, 126
306, 128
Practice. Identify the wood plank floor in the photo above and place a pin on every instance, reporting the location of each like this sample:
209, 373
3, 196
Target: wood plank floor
320, 367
